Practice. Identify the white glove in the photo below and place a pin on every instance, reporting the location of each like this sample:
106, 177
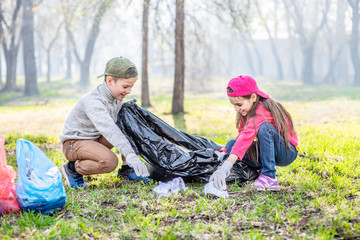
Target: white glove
220, 154
220, 174
139, 167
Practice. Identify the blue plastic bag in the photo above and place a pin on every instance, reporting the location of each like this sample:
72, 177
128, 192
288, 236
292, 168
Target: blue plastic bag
39, 186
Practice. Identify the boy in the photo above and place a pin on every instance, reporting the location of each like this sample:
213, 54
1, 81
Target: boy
90, 131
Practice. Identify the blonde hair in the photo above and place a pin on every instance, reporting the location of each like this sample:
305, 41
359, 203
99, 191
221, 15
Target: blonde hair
282, 119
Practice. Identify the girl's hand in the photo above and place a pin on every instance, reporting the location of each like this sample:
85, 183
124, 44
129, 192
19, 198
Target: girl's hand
220, 174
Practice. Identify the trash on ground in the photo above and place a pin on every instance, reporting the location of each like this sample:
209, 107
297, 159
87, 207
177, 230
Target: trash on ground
40, 185
8, 199
209, 188
172, 153
165, 189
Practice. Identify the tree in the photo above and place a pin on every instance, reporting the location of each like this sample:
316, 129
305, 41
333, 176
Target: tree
68, 57
291, 43
48, 47
48, 30
241, 19
10, 39
84, 63
335, 38
354, 40
1, 83
145, 98
31, 86
307, 25
272, 42
178, 93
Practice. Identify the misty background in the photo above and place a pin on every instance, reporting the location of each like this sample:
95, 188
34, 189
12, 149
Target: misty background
304, 41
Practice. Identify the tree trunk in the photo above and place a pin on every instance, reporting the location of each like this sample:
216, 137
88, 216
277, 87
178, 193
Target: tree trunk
94, 32
11, 60
354, 40
272, 44
308, 57
31, 86
10, 47
145, 98
277, 58
259, 58
249, 58
1, 83
68, 58
48, 65
341, 69
39, 61
84, 73
178, 93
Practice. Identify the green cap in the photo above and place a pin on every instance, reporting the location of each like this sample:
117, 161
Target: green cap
118, 67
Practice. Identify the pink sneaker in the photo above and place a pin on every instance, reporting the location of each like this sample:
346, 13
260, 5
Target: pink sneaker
264, 182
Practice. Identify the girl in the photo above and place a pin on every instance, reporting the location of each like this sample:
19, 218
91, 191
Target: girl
266, 135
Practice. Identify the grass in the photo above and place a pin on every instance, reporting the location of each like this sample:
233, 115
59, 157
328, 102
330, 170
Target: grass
319, 199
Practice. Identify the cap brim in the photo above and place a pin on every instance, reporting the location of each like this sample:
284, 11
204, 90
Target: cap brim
100, 75
262, 94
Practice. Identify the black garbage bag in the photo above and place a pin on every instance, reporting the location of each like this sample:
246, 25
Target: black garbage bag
172, 153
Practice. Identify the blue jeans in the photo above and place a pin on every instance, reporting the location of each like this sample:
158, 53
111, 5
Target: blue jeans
272, 152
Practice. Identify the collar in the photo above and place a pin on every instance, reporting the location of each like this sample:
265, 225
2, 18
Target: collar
105, 91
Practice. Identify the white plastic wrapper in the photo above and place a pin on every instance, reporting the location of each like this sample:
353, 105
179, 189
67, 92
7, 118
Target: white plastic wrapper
209, 188
165, 189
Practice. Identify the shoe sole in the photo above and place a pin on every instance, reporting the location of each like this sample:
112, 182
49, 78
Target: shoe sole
270, 189
65, 175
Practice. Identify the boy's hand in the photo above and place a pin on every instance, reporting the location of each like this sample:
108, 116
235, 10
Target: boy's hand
220, 174
139, 167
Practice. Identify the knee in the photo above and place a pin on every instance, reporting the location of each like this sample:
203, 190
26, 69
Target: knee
265, 128
229, 145
109, 162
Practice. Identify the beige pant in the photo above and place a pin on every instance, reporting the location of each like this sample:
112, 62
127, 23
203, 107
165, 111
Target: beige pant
91, 156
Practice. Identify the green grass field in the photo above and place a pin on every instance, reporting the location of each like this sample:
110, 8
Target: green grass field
320, 196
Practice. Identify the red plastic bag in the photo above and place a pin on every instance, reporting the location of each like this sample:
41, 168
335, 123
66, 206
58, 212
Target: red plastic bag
8, 201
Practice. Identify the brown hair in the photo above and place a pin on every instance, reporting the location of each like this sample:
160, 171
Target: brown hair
281, 117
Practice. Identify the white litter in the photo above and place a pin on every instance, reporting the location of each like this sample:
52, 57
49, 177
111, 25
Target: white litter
209, 188
165, 189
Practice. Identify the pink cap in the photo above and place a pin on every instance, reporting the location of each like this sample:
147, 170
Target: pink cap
242, 86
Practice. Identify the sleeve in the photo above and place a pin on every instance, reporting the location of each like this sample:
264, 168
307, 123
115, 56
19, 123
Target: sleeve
98, 114
246, 137
223, 149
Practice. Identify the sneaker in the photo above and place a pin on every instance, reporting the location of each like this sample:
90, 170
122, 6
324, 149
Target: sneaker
74, 179
263, 183
126, 171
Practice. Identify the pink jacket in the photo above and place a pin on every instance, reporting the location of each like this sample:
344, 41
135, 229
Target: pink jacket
247, 133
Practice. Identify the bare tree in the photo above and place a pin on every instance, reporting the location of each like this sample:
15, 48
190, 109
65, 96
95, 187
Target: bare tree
354, 40
1, 83
48, 30
48, 47
307, 34
241, 19
178, 93
335, 44
272, 42
291, 43
145, 98
84, 63
341, 71
68, 57
31, 86
10, 39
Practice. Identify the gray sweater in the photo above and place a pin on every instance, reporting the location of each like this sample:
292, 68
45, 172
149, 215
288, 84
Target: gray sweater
94, 115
